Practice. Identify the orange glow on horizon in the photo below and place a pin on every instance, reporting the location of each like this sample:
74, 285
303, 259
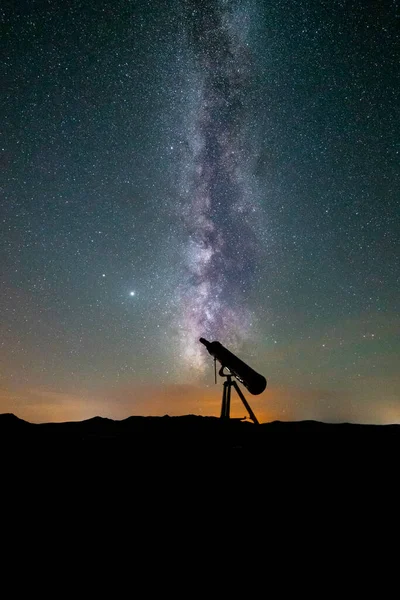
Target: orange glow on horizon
39, 405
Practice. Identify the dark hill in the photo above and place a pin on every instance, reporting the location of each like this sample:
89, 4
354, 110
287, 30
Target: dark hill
198, 433
278, 463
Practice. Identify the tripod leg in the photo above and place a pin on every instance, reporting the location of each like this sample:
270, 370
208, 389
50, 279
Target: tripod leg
224, 397
247, 405
228, 399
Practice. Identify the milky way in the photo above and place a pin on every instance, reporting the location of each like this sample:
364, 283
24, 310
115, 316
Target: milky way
219, 199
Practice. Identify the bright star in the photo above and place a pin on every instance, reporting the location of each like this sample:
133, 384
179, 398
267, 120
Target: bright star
131, 293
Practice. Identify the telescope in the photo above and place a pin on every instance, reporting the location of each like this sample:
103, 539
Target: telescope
252, 380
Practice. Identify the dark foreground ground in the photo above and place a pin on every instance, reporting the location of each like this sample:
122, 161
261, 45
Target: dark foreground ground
193, 433
177, 442
171, 470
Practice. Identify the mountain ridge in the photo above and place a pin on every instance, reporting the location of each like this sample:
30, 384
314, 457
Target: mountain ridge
306, 454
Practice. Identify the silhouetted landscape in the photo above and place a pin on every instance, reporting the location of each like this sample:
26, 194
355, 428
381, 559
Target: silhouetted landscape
201, 462
199, 435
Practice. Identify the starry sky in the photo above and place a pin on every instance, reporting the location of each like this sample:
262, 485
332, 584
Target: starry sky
226, 169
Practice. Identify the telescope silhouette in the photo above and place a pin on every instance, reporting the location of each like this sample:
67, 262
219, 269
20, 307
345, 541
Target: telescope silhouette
252, 380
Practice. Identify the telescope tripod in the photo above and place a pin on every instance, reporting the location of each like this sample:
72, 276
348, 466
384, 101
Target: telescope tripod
226, 397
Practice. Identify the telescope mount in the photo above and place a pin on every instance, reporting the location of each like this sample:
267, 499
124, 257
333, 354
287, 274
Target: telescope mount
226, 395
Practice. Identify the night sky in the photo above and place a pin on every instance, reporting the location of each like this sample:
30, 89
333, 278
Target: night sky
211, 168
